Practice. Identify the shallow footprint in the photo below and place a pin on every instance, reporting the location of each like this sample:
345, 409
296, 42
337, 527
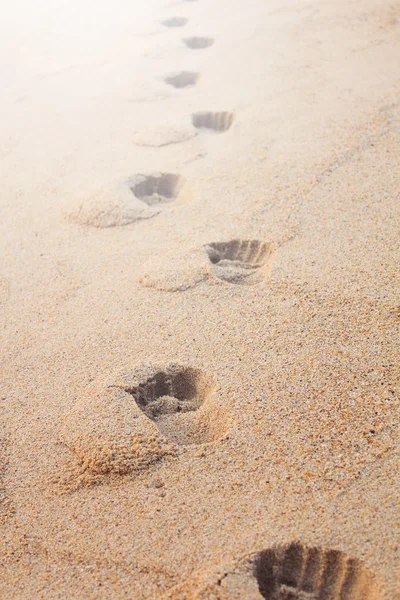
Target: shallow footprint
182, 79
198, 43
290, 572
134, 199
243, 262
216, 121
159, 188
175, 22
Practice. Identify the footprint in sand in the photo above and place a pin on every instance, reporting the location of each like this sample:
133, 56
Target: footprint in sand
175, 22
160, 188
299, 572
198, 43
134, 199
182, 79
135, 418
181, 401
214, 121
243, 262
290, 572
240, 262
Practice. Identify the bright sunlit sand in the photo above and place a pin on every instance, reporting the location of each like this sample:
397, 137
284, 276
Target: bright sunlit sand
199, 300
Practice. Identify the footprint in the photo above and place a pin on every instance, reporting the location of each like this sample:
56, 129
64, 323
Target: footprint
299, 573
123, 202
158, 188
290, 572
126, 423
175, 22
181, 402
217, 121
244, 262
198, 43
183, 79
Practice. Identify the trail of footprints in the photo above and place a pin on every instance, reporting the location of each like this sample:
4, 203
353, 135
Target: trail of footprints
181, 403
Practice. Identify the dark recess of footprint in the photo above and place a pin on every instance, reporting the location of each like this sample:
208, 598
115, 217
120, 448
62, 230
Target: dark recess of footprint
182, 79
297, 572
175, 390
217, 121
240, 261
158, 188
169, 397
175, 22
197, 43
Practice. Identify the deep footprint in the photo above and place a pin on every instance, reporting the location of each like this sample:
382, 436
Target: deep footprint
216, 121
158, 188
175, 22
243, 262
172, 396
183, 79
297, 572
198, 43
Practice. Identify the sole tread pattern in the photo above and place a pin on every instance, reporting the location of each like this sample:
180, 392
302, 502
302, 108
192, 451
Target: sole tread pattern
240, 261
298, 572
215, 121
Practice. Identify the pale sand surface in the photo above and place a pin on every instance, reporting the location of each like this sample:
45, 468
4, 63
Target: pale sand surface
172, 404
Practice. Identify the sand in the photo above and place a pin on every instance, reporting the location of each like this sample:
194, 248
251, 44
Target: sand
199, 300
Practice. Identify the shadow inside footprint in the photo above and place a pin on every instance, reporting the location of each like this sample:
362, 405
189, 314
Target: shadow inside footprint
216, 121
158, 188
175, 22
170, 397
244, 262
298, 572
182, 79
198, 43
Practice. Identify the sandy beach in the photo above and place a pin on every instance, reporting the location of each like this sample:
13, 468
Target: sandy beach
200, 300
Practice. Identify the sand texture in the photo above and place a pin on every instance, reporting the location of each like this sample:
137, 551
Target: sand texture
200, 300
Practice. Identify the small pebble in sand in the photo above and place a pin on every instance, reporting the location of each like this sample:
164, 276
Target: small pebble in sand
157, 483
